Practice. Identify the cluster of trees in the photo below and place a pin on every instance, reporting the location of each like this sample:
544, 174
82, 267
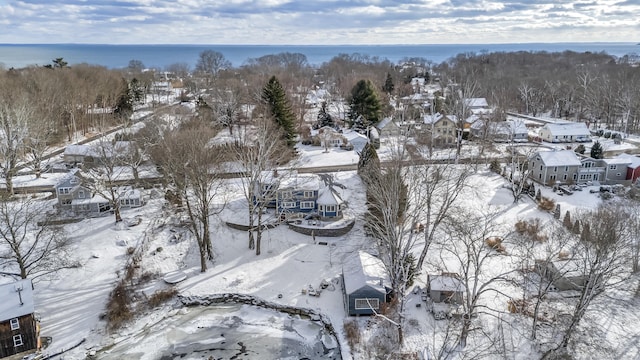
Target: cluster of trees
591, 87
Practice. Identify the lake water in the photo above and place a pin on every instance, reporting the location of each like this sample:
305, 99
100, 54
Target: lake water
160, 56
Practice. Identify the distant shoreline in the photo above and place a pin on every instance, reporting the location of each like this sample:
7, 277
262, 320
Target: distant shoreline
159, 56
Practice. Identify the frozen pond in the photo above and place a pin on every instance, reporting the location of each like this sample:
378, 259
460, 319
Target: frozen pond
229, 331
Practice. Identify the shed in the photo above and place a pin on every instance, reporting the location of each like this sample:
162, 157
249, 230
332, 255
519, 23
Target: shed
445, 288
365, 284
19, 328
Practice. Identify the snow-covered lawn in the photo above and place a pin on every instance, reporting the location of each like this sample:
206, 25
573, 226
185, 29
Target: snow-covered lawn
71, 304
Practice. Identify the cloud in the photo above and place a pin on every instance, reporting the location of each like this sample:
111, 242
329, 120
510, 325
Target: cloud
315, 22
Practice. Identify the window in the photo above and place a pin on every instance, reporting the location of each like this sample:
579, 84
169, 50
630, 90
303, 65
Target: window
308, 194
307, 205
288, 204
566, 168
17, 340
555, 168
15, 324
367, 303
80, 194
331, 208
618, 174
540, 167
565, 177
286, 194
65, 202
612, 167
63, 191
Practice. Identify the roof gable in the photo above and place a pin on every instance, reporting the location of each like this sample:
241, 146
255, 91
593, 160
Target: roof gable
364, 269
559, 158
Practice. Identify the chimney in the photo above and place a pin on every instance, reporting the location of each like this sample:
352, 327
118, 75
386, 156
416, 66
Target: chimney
19, 290
275, 173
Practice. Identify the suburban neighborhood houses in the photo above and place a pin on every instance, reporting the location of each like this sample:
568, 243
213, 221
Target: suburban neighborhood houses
392, 213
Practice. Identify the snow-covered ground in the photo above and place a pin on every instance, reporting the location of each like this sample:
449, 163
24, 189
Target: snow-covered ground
71, 304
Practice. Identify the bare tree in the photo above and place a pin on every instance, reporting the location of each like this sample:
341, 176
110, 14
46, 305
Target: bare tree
441, 185
518, 171
259, 149
15, 113
192, 165
210, 63
107, 171
29, 247
473, 243
602, 261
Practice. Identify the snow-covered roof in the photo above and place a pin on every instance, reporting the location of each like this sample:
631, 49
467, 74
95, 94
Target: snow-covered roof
329, 197
384, 122
572, 128
617, 161
301, 182
364, 269
476, 102
432, 118
632, 160
559, 158
445, 283
16, 299
97, 199
79, 150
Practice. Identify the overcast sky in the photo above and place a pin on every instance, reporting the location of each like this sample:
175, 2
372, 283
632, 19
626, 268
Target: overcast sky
318, 21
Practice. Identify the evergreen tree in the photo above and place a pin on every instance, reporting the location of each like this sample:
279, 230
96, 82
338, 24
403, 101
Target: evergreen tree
369, 163
597, 152
274, 96
324, 118
576, 227
124, 107
364, 103
388, 84
567, 220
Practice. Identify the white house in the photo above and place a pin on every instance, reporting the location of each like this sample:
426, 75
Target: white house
565, 132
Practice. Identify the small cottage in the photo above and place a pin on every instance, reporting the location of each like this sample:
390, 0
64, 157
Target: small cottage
19, 328
564, 274
445, 288
365, 284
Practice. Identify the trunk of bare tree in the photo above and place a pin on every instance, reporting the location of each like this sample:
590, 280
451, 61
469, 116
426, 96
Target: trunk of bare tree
259, 233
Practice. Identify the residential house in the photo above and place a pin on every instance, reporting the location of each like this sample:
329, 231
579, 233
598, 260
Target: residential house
442, 128
19, 326
78, 154
87, 154
357, 140
365, 284
388, 127
556, 166
633, 167
289, 192
330, 137
502, 131
445, 288
477, 106
317, 97
74, 197
564, 274
565, 132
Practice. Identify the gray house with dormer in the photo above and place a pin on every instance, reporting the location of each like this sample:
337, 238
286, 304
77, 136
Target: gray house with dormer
74, 197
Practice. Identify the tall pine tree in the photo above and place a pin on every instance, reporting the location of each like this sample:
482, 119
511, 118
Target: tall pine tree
597, 151
364, 102
276, 100
388, 84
